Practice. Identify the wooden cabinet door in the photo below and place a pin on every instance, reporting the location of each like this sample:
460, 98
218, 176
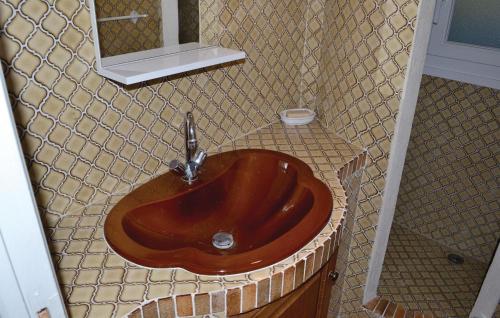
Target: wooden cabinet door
310, 300
328, 278
301, 303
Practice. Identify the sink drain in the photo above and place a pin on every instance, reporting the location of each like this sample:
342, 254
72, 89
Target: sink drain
222, 240
455, 258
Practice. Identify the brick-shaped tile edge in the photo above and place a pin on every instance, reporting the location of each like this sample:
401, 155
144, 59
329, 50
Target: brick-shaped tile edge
381, 307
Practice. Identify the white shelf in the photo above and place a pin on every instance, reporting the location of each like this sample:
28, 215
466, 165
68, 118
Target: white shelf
151, 67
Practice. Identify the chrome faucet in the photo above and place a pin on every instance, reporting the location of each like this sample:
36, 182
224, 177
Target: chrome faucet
194, 158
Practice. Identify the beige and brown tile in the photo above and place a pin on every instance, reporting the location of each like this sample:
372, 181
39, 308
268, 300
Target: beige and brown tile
249, 297
202, 304
417, 274
450, 180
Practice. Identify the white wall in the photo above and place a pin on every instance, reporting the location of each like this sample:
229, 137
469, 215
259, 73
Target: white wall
489, 295
28, 282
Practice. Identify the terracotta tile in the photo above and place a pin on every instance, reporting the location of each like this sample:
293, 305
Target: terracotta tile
400, 312
166, 307
288, 280
380, 308
309, 266
409, 314
299, 273
363, 159
418, 314
335, 239
135, 314
233, 301
372, 303
263, 292
326, 251
350, 169
150, 310
276, 286
218, 300
391, 309
360, 162
184, 305
355, 164
249, 298
318, 259
202, 304
343, 173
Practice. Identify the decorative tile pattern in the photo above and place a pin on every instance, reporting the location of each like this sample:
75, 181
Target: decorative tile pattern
124, 36
449, 188
351, 185
313, 37
93, 277
363, 64
417, 274
86, 138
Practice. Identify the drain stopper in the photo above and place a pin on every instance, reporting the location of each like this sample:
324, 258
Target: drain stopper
222, 240
455, 258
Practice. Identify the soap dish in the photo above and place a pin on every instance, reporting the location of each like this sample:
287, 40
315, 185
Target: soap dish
297, 116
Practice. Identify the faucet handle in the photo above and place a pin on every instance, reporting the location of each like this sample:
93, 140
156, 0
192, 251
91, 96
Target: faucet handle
177, 166
200, 157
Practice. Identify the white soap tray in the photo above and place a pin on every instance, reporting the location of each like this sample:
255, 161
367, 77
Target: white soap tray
297, 116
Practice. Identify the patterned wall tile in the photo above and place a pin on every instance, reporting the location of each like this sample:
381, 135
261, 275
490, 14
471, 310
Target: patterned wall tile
86, 137
449, 188
363, 62
310, 70
351, 186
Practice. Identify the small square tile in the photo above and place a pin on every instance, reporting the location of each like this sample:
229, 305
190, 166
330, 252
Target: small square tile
184, 305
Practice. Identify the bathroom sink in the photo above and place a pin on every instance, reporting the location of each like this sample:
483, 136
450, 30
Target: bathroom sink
247, 209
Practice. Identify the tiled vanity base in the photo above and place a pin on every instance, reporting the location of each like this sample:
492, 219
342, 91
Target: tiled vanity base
97, 282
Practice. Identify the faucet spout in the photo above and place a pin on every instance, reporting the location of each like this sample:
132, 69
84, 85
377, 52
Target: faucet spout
190, 137
194, 158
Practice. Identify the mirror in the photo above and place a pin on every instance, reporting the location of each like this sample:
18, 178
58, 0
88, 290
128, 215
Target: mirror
139, 40
139, 25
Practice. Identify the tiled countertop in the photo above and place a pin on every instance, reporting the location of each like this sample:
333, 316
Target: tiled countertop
96, 282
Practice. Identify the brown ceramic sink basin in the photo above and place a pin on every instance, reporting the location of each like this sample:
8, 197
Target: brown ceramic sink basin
268, 202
